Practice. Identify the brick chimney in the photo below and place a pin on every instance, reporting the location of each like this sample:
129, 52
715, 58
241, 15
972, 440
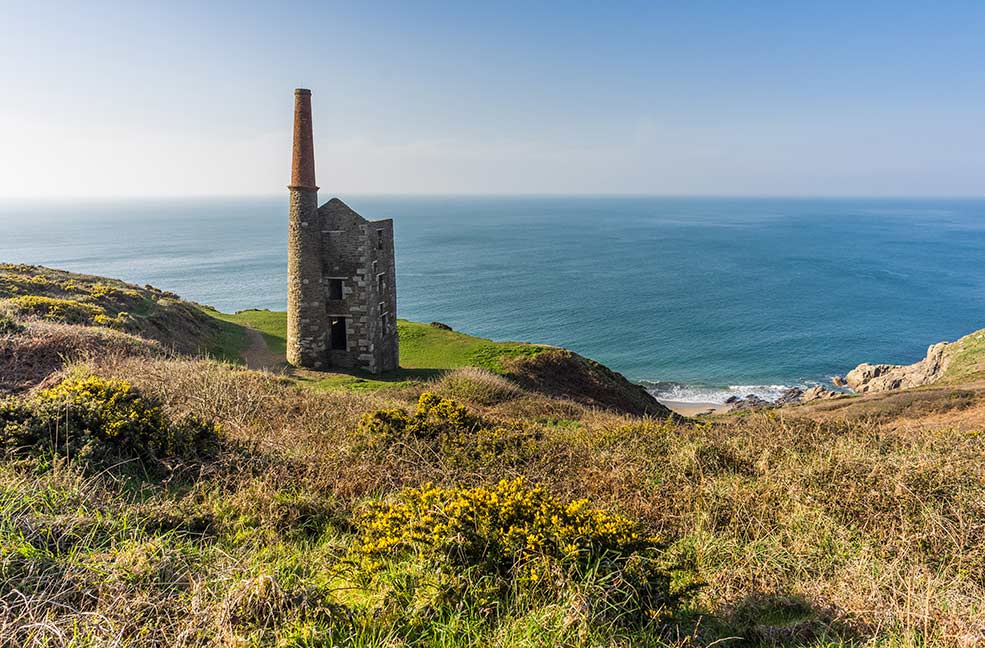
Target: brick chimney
303, 159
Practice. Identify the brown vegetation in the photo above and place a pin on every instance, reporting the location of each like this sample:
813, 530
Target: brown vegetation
67, 297
559, 372
803, 530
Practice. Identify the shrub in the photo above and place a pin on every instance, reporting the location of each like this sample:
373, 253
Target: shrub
118, 322
433, 418
478, 385
461, 437
521, 539
9, 326
99, 420
53, 309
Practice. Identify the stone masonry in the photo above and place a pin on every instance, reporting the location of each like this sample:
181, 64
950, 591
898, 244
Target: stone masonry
341, 279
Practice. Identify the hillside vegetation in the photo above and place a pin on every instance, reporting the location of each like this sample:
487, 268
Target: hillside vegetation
967, 359
428, 350
150, 499
70, 298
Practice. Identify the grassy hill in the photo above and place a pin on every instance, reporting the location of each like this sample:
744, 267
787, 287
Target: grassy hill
422, 347
427, 351
149, 499
70, 298
967, 359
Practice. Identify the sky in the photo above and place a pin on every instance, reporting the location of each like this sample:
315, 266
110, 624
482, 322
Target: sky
177, 98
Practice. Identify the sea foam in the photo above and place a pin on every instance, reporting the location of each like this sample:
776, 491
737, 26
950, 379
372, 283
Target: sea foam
690, 393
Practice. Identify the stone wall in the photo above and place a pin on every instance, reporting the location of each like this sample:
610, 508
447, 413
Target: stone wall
359, 253
383, 280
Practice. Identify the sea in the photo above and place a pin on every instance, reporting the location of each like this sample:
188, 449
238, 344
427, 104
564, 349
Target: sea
697, 298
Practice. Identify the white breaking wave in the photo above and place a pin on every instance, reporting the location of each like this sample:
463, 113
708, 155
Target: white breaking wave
684, 393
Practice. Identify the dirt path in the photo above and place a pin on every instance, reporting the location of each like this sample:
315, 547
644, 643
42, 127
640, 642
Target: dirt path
258, 355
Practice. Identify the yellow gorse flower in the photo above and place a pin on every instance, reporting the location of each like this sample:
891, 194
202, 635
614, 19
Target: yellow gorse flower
507, 527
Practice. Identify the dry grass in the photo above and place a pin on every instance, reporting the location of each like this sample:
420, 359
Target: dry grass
858, 521
43, 348
67, 297
805, 531
477, 386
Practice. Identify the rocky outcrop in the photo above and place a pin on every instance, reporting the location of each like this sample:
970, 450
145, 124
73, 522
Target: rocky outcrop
751, 401
792, 396
870, 378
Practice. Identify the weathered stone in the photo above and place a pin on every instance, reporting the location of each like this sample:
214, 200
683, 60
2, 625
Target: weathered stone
789, 396
751, 401
345, 242
819, 392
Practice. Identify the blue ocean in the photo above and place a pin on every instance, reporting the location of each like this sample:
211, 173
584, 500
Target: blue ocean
700, 298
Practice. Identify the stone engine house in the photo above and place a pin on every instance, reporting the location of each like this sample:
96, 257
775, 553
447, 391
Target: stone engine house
341, 279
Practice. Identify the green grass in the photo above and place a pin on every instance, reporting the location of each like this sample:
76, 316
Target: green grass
426, 346
425, 350
271, 324
229, 342
968, 359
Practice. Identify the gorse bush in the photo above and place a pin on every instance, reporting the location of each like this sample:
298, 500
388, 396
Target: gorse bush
98, 420
66, 298
511, 538
434, 417
460, 437
54, 309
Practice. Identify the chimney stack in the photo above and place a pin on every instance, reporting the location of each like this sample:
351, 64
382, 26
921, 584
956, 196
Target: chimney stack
303, 159
306, 333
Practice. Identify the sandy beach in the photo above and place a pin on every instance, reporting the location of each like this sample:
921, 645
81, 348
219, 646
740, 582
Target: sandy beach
694, 409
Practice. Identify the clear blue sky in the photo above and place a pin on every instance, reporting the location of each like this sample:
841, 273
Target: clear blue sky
762, 98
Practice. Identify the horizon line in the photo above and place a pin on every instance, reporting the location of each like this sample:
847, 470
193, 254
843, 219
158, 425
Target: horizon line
368, 194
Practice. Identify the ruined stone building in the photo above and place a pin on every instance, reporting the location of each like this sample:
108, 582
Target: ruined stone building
341, 281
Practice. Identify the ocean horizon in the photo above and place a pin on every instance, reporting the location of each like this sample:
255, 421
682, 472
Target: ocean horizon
697, 298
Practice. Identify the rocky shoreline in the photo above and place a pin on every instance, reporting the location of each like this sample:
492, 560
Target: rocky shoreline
792, 396
865, 378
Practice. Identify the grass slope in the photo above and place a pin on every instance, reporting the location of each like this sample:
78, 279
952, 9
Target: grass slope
426, 351
70, 298
422, 347
967, 359
272, 325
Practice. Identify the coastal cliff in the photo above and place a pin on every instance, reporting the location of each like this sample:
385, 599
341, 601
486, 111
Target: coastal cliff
949, 362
